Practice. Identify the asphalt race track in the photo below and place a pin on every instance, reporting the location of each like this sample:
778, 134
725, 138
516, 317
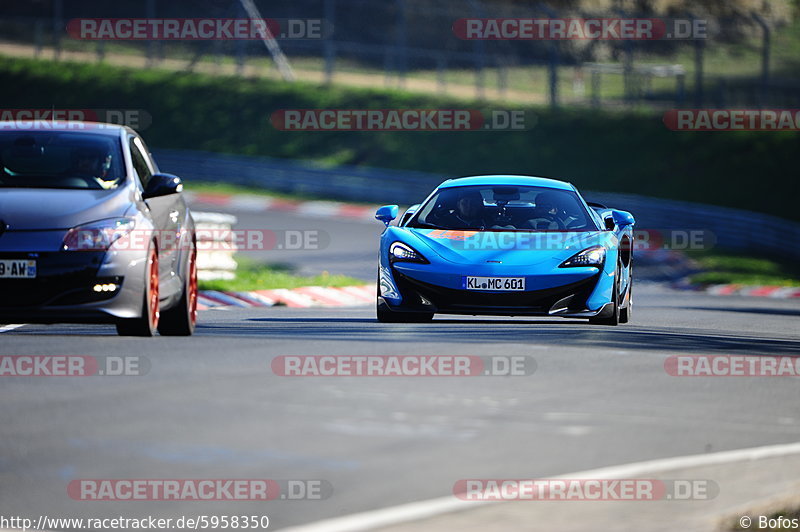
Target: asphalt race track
211, 407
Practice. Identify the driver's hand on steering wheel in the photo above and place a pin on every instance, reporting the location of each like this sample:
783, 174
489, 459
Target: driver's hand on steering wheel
540, 214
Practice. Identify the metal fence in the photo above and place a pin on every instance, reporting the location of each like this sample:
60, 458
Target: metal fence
411, 44
729, 228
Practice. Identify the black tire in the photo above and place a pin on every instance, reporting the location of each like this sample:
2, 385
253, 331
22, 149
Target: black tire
626, 312
147, 323
614, 319
182, 318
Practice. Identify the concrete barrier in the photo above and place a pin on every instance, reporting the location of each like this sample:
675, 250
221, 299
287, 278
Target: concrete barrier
214, 249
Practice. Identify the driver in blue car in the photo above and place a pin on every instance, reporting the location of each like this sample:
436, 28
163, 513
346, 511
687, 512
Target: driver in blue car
468, 213
550, 213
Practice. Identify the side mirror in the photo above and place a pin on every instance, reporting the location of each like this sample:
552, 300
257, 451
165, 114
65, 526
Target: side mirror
162, 185
622, 218
619, 219
387, 213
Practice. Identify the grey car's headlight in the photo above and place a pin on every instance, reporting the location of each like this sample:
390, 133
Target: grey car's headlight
400, 252
594, 256
99, 235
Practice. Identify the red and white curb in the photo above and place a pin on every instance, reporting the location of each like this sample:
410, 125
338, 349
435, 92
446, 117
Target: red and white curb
777, 292
258, 203
780, 292
303, 297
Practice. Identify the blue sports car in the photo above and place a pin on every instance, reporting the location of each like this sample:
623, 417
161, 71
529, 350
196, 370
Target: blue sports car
509, 246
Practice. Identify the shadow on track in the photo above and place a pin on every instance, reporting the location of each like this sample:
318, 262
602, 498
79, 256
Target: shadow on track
540, 332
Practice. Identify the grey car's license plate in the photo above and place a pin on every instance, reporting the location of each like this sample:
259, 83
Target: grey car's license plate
17, 269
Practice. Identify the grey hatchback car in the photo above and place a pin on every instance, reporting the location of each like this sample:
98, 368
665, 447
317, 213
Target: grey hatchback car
92, 232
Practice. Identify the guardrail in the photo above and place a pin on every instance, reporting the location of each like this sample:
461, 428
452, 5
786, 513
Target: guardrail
733, 229
215, 246
347, 183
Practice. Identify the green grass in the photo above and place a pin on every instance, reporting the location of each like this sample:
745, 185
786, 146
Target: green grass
256, 276
730, 268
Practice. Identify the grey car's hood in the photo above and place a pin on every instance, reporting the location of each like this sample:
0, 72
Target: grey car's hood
44, 208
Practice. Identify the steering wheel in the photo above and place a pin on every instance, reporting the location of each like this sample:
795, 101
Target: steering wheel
540, 214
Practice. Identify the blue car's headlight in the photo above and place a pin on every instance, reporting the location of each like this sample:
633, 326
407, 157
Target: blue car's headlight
400, 252
594, 256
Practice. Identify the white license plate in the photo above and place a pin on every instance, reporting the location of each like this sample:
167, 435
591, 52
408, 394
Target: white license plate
17, 269
501, 284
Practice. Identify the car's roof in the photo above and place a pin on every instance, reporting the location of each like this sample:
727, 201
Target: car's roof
42, 126
495, 180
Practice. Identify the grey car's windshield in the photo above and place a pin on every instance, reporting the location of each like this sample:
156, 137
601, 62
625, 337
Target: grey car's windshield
60, 160
504, 208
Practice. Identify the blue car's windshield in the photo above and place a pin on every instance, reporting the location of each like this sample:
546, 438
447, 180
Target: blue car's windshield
504, 208
60, 160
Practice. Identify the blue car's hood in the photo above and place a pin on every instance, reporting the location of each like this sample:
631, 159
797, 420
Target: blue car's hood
511, 248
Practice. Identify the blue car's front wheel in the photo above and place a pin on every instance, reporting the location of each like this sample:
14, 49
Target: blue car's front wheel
627, 310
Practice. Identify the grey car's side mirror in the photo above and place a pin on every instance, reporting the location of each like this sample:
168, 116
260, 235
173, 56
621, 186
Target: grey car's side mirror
162, 185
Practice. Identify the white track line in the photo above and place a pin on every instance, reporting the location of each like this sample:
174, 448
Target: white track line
11, 327
424, 509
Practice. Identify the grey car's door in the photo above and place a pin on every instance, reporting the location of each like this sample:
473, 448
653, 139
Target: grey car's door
167, 212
